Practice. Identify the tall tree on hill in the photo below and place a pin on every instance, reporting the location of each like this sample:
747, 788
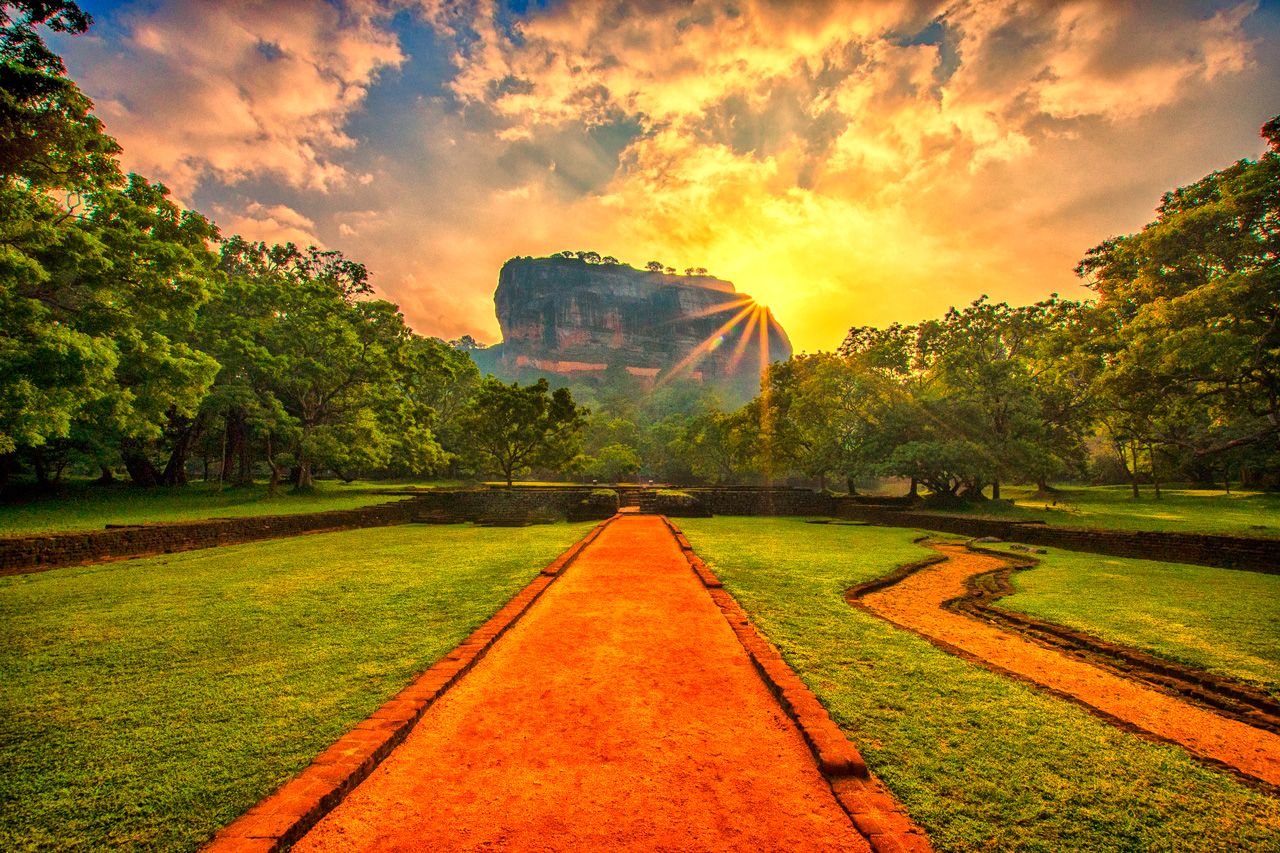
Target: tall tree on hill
512, 429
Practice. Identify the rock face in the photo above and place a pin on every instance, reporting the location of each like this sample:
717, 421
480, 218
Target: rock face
564, 316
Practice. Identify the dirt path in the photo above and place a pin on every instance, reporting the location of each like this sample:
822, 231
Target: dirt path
916, 602
620, 712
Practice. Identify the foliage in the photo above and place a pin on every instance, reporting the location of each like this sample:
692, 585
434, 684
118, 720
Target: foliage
613, 463
1176, 366
125, 340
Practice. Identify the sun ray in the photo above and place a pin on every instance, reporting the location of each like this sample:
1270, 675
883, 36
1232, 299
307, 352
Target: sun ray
744, 340
766, 416
717, 308
712, 341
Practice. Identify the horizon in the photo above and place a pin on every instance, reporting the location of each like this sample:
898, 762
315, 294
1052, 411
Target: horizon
844, 164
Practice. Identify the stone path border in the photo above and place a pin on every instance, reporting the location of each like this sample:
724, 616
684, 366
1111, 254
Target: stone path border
296, 806
876, 813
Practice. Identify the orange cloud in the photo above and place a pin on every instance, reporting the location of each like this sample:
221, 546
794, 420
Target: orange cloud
275, 224
204, 89
842, 162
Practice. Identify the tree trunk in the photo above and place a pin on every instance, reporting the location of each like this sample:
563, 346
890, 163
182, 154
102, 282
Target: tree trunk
915, 489
244, 474
995, 489
305, 481
175, 471
1226, 477
1133, 472
273, 487
1155, 478
229, 434
141, 470
853, 489
41, 467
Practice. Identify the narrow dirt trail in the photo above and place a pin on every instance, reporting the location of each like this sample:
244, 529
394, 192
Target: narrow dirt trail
916, 603
619, 713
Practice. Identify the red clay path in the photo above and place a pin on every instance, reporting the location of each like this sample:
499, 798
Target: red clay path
916, 603
619, 713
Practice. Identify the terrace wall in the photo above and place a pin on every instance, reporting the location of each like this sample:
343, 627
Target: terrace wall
764, 501
34, 553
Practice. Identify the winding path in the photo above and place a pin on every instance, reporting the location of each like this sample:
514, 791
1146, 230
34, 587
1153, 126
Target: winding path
621, 712
916, 602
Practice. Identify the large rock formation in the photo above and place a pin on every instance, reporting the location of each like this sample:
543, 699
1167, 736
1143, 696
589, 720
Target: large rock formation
564, 316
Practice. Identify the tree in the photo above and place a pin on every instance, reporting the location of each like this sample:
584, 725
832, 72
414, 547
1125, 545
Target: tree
654, 266
48, 138
613, 463
1194, 302
513, 429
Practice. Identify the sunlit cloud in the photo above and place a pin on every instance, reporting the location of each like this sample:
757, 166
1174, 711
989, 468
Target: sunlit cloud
275, 224
846, 163
219, 90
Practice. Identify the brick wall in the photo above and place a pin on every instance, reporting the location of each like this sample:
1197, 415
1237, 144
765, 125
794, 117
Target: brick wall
764, 501
1228, 552
33, 553
28, 553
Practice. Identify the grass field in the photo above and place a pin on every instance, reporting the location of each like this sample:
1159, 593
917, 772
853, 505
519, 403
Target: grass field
1217, 619
84, 506
1112, 507
983, 762
144, 704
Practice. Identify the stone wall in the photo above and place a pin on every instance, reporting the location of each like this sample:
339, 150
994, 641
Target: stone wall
1228, 552
520, 505
517, 506
764, 501
33, 553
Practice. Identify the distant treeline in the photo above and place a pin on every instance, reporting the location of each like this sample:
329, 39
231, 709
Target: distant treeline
1172, 372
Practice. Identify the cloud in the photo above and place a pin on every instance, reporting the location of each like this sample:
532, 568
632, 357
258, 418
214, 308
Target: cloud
841, 161
846, 163
275, 224
206, 90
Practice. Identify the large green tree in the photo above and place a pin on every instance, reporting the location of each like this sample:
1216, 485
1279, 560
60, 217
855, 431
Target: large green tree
1190, 311
512, 429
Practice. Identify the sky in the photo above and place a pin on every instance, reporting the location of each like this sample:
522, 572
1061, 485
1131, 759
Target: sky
844, 163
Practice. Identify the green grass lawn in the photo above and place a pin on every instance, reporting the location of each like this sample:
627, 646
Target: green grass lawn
147, 703
1221, 620
1112, 507
84, 506
982, 761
